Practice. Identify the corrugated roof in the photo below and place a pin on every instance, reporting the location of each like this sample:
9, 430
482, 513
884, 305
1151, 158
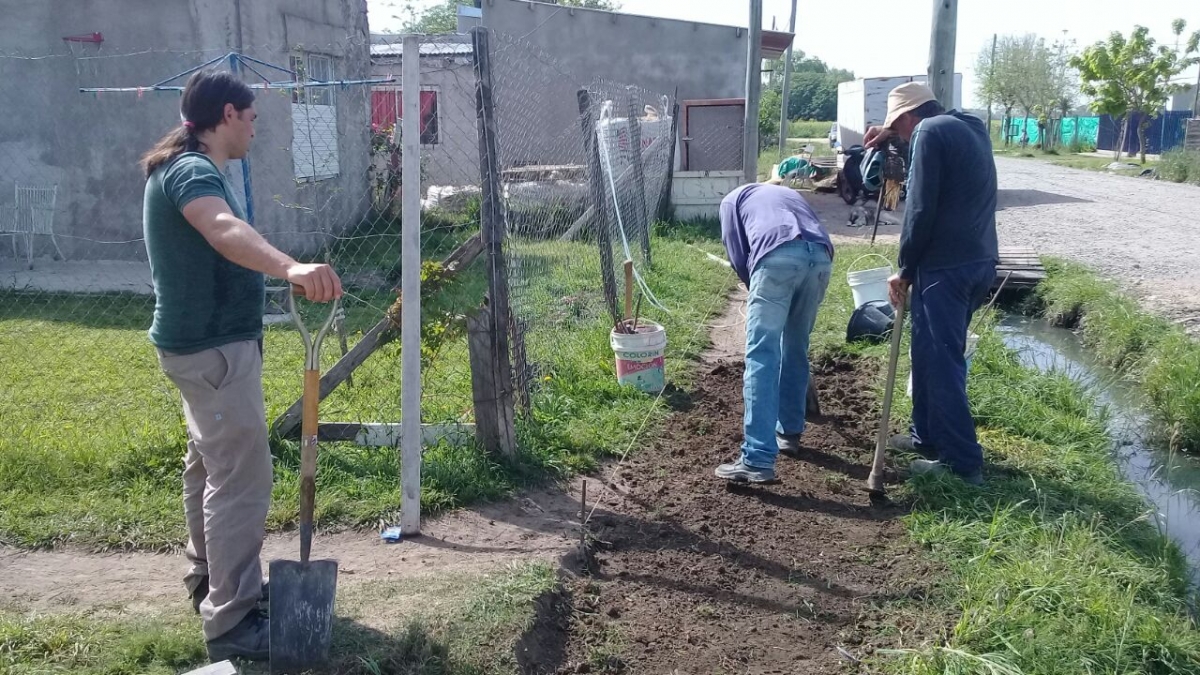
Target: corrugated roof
385, 45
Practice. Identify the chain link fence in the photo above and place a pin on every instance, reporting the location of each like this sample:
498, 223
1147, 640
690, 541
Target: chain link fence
324, 182
579, 205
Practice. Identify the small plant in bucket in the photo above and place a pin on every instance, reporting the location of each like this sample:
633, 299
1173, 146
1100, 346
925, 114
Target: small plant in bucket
640, 347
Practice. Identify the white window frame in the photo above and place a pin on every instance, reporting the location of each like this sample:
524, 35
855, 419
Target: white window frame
320, 104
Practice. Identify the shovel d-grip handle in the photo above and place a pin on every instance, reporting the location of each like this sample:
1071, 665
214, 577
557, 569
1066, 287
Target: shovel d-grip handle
308, 424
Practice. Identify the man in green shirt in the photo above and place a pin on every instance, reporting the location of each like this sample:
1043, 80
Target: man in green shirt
207, 264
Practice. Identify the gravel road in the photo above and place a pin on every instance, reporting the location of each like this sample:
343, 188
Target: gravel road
1141, 233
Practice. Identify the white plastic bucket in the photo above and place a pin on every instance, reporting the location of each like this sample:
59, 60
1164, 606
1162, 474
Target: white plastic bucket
641, 361
969, 353
869, 285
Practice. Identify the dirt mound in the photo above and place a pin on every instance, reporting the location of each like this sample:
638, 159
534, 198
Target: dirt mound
695, 576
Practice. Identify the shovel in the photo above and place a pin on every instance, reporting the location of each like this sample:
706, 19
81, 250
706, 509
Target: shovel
302, 592
875, 488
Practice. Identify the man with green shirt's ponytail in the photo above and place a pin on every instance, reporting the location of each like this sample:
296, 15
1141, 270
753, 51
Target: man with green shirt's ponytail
207, 264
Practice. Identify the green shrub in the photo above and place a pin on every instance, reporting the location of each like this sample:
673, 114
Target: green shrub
1180, 166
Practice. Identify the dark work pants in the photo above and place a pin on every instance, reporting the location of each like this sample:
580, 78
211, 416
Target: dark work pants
943, 302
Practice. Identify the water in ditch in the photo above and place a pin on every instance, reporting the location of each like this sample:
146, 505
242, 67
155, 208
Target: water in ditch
1169, 481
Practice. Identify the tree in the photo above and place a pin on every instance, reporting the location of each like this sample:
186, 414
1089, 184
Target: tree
813, 92
1128, 76
1028, 76
436, 20
768, 118
814, 96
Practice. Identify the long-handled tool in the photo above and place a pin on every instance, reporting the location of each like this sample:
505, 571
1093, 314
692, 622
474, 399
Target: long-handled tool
302, 592
875, 489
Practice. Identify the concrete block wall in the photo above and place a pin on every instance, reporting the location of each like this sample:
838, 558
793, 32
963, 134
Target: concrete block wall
89, 144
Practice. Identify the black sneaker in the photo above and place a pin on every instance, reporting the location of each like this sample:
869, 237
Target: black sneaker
201, 592
250, 639
788, 444
906, 443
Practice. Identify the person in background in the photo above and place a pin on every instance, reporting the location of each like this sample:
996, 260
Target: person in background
207, 265
948, 255
783, 255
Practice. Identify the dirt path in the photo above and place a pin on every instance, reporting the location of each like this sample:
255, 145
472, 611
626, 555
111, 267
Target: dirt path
539, 525
694, 576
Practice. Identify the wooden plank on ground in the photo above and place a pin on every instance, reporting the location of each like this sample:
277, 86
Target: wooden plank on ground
388, 435
1021, 265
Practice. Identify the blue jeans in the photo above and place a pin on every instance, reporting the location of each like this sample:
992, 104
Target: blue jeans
786, 288
943, 302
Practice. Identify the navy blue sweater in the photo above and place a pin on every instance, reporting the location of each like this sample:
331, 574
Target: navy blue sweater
950, 219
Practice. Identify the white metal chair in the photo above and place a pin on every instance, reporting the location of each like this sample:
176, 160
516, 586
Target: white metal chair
34, 216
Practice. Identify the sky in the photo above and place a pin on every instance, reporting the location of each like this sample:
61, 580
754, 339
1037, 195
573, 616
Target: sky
876, 38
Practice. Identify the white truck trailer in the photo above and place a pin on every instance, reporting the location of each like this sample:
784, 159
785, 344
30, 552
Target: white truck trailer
863, 103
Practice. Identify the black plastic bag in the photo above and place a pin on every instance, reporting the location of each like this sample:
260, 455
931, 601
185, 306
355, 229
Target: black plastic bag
871, 323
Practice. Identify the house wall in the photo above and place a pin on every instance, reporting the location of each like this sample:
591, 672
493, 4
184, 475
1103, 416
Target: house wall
89, 144
454, 160
704, 61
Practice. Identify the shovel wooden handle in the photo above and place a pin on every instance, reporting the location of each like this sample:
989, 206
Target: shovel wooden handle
875, 480
308, 459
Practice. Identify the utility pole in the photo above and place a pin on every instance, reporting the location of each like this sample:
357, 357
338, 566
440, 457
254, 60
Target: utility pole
753, 93
941, 51
991, 83
787, 86
1196, 99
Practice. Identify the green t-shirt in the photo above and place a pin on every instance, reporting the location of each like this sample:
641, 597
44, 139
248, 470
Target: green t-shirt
202, 300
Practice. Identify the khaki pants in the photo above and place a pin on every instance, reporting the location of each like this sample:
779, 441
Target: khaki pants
226, 478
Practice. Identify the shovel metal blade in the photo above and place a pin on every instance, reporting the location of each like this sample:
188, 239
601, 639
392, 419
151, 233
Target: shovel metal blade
301, 613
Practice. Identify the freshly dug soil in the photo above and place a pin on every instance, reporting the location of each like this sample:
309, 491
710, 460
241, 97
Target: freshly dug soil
691, 575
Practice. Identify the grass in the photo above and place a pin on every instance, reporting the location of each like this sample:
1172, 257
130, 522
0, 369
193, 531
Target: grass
808, 129
1064, 157
1151, 351
459, 624
1180, 166
94, 435
1054, 566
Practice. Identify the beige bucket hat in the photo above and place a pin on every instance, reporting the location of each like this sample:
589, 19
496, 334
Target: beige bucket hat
906, 98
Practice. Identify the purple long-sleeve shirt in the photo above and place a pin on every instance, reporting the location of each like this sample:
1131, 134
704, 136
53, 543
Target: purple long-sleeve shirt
757, 218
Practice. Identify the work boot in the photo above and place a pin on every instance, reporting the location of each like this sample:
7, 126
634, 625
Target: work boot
923, 467
201, 592
906, 443
741, 472
250, 639
789, 444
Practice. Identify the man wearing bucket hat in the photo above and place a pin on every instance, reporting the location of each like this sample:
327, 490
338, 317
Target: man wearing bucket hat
783, 255
948, 253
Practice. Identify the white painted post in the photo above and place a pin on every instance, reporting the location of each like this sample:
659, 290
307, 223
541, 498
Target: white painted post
753, 92
787, 86
410, 288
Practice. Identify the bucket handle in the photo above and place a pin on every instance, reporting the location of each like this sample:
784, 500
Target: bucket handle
869, 255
